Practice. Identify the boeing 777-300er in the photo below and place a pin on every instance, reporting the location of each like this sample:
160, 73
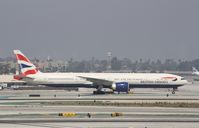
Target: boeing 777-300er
119, 82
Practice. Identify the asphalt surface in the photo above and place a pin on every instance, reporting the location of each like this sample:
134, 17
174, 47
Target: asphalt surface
102, 125
17, 109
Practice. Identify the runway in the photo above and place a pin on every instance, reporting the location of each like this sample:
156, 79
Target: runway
100, 114
103, 125
47, 116
17, 109
128, 120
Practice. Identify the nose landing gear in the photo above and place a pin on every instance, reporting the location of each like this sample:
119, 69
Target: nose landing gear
174, 90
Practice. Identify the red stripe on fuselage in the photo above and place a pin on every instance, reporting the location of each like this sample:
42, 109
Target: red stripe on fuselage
21, 57
29, 72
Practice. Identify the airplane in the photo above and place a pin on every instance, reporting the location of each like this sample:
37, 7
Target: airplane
195, 71
118, 82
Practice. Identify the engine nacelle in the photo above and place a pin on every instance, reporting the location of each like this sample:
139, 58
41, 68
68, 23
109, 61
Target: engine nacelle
120, 86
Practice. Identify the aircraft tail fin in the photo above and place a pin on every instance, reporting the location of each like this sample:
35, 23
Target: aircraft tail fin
194, 70
26, 66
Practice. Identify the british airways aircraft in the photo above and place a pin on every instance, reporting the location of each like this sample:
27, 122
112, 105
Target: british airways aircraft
119, 82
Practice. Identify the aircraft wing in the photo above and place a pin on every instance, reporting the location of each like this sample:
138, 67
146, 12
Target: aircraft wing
98, 81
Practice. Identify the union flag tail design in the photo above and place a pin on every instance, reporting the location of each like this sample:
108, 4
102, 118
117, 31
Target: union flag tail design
26, 67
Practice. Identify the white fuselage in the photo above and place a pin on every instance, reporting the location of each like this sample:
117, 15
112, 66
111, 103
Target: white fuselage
135, 80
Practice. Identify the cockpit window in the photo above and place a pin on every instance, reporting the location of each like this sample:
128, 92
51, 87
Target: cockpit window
175, 79
182, 78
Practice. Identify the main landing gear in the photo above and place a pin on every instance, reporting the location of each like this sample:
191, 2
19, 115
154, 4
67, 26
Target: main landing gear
99, 90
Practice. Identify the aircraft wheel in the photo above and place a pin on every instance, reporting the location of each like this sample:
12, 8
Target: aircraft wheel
98, 92
94, 92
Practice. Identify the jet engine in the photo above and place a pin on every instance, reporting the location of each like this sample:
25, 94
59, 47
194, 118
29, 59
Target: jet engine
120, 86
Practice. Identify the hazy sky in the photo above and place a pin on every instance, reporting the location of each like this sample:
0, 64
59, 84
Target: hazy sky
84, 28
